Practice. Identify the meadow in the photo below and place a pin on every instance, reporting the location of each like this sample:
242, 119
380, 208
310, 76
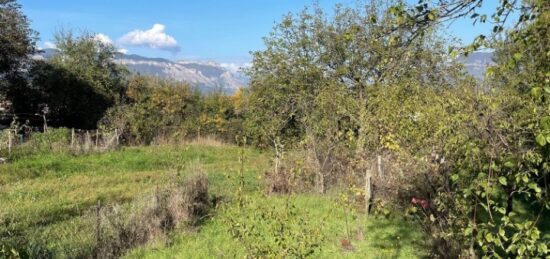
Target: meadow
48, 201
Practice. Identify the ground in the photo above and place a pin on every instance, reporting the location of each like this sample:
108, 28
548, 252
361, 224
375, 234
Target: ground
48, 199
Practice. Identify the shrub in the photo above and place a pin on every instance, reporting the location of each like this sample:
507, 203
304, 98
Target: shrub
54, 140
267, 231
292, 176
185, 202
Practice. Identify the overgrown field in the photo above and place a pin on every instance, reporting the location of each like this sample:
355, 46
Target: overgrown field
48, 201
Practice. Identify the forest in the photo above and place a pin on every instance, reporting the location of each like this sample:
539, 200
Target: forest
365, 105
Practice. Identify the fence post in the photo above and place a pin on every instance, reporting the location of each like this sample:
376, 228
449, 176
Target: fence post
116, 135
98, 222
72, 138
88, 140
96, 138
368, 191
9, 142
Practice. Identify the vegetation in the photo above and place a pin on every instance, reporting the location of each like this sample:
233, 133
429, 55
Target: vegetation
51, 201
157, 109
17, 44
373, 127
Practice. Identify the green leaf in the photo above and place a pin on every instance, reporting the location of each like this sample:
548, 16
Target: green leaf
501, 232
534, 187
467, 231
545, 122
502, 180
489, 237
536, 92
521, 249
518, 56
490, 71
541, 140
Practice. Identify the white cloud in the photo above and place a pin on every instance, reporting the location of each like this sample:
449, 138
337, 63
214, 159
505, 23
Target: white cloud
103, 38
154, 38
49, 45
107, 40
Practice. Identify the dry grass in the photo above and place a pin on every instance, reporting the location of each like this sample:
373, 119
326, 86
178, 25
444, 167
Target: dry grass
206, 141
151, 217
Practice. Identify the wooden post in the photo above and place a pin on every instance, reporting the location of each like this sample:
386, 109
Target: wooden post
368, 191
72, 138
9, 141
96, 138
98, 222
116, 135
88, 140
45, 123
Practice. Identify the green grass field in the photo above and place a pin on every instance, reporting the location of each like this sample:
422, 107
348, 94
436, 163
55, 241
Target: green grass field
47, 202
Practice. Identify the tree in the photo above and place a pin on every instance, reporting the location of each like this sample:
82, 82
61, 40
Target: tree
91, 60
78, 84
17, 44
310, 84
496, 199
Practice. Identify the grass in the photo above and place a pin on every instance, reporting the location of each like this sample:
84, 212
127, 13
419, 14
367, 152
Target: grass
47, 200
370, 237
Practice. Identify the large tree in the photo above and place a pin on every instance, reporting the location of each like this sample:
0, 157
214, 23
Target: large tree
310, 83
78, 84
17, 44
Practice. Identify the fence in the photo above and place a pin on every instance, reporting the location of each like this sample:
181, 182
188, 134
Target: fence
76, 140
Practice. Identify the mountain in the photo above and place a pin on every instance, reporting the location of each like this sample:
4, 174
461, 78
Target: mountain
477, 63
208, 76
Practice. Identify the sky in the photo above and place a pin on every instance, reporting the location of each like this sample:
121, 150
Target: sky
219, 30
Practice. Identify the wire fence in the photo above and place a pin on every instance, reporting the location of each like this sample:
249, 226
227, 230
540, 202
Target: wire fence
76, 140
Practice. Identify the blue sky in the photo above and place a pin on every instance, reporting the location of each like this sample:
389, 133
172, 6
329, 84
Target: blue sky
220, 30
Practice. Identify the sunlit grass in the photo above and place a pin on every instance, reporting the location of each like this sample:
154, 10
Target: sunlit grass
48, 200
374, 237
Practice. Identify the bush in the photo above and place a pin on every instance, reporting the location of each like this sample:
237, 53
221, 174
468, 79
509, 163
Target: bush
182, 203
292, 176
54, 140
267, 231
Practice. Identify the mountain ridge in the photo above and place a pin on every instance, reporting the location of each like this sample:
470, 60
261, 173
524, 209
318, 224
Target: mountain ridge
207, 76
211, 76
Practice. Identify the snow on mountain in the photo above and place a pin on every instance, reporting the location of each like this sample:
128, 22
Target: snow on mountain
208, 76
